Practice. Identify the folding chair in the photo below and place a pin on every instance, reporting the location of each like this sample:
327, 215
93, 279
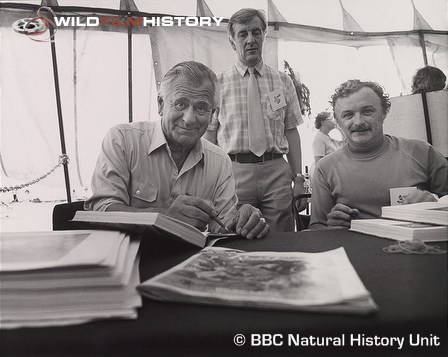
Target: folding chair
63, 213
302, 220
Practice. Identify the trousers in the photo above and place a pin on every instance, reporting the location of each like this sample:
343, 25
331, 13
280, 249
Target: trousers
267, 186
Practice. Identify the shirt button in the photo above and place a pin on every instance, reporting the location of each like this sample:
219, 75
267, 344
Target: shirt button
138, 192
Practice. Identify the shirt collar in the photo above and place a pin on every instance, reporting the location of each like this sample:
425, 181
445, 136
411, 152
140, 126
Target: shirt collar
157, 137
242, 68
195, 156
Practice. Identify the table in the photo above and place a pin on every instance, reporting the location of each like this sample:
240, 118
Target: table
410, 291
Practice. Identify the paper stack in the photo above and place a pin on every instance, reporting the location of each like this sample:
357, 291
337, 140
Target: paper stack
67, 277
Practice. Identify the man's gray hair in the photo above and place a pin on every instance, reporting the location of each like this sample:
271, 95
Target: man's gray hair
195, 73
244, 16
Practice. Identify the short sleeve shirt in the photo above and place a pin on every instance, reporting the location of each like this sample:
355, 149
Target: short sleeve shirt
231, 124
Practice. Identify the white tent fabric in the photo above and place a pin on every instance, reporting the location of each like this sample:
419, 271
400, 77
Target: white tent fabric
325, 41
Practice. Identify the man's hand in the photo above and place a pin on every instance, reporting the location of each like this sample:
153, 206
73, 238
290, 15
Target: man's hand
192, 210
341, 215
298, 189
419, 196
249, 223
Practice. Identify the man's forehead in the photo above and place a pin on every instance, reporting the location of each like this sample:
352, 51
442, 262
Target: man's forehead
252, 24
181, 87
362, 97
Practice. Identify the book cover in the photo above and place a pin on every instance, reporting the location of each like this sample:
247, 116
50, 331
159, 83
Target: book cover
400, 230
274, 280
144, 222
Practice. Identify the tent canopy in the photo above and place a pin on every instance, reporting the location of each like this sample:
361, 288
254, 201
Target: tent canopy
91, 78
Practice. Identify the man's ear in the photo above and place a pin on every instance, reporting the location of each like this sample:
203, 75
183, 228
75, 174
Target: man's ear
160, 104
232, 43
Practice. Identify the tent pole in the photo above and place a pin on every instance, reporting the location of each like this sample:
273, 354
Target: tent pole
130, 70
427, 119
59, 108
422, 44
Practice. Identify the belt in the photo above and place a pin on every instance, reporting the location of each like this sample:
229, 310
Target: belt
252, 158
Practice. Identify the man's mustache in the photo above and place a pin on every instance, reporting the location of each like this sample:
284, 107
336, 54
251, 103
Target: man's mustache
359, 127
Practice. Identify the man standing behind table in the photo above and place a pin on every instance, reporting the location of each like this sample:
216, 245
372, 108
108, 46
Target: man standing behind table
164, 166
355, 182
257, 124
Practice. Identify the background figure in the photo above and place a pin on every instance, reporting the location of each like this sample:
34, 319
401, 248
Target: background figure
428, 79
322, 143
257, 124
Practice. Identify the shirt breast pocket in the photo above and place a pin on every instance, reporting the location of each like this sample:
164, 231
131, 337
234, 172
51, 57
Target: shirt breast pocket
143, 196
276, 115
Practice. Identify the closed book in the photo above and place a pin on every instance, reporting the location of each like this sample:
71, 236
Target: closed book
400, 230
423, 212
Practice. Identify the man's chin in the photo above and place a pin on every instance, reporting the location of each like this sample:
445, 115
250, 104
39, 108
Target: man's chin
252, 60
361, 138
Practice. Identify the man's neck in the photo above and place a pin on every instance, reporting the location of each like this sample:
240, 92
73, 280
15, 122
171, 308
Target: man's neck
179, 155
250, 64
372, 149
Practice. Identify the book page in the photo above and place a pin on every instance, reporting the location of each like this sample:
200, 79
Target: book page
43, 250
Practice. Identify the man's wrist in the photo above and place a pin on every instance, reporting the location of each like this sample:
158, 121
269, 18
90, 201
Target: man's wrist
298, 177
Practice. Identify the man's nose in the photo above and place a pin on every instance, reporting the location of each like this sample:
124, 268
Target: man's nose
189, 116
357, 118
250, 38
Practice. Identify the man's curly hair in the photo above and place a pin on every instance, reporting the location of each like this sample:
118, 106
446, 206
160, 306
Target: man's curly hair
353, 85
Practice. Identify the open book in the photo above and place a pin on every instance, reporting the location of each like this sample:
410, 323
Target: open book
143, 222
400, 230
322, 282
424, 212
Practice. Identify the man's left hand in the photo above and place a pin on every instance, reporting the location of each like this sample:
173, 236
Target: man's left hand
250, 222
298, 189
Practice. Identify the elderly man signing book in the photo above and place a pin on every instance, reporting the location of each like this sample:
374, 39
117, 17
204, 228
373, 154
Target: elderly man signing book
164, 166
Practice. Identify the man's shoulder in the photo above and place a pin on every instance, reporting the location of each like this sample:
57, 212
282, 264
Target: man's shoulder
406, 144
329, 161
273, 72
213, 151
231, 71
138, 125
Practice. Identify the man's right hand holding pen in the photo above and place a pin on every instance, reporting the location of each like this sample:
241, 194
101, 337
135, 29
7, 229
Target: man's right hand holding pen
247, 221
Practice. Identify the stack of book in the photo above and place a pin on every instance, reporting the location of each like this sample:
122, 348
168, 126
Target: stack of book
425, 221
67, 277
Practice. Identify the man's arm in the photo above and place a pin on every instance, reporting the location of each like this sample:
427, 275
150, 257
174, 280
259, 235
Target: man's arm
111, 177
295, 161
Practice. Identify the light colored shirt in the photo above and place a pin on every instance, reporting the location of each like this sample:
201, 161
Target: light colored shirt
323, 145
362, 180
135, 168
231, 124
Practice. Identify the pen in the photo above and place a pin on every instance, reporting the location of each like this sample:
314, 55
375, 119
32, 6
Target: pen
214, 216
